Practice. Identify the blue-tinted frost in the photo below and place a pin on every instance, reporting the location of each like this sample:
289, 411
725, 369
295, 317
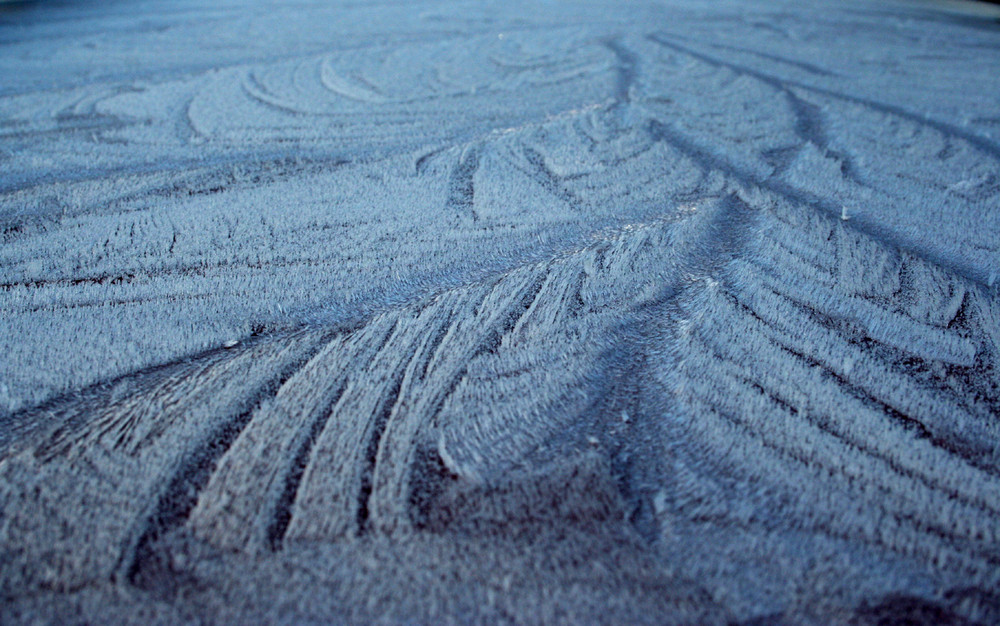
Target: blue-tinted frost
500, 311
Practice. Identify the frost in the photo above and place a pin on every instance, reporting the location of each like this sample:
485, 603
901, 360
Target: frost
519, 311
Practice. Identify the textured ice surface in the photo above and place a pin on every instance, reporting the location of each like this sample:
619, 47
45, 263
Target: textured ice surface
661, 311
